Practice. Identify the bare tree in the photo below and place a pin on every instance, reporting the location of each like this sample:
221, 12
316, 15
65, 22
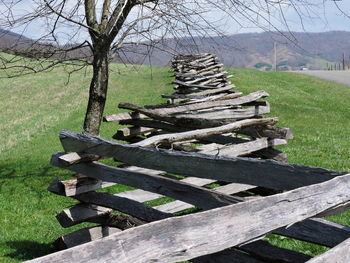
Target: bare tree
90, 32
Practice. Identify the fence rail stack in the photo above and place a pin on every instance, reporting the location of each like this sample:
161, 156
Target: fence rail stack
195, 153
216, 106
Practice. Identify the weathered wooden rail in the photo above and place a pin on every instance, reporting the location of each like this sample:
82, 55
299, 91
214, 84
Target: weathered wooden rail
210, 150
203, 108
230, 221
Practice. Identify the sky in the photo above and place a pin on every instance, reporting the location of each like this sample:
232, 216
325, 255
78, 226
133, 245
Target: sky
325, 18
329, 15
328, 18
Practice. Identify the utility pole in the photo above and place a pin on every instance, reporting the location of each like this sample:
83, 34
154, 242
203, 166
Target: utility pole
275, 57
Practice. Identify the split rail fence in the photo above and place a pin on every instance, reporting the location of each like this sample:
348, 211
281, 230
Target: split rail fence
210, 150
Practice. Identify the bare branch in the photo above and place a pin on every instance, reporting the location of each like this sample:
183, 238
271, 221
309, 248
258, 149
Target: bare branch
60, 14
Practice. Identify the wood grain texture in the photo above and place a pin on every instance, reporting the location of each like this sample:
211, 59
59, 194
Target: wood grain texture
124, 116
144, 196
218, 139
187, 122
203, 133
318, 231
186, 99
228, 114
265, 173
74, 158
79, 213
83, 236
131, 132
269, 131
140, 195
124, 205
172, 207
77, 186
184, 240
205, 105
154, 124
242, 149
198, 196
196, 79
85, 184
270, 153
177, 206
200, 93
279, 133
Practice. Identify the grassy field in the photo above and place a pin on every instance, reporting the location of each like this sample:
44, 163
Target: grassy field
35, 108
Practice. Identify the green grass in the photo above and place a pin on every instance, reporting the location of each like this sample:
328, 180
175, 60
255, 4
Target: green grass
36, 108
317, 112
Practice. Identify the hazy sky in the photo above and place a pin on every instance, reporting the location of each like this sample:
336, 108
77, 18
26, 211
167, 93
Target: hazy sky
324, 18
329, 18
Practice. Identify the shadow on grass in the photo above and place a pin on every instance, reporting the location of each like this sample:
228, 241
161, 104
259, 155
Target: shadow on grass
26, 250
31, 170
7, 172
11, 171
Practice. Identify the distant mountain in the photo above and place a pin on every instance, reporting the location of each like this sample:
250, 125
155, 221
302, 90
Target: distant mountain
8, 33
252, 50
293, 50
10, 40
13, 43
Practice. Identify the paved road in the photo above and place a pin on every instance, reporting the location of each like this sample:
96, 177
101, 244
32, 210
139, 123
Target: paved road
341, 77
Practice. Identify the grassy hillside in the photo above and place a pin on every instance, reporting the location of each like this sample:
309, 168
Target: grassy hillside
35, 108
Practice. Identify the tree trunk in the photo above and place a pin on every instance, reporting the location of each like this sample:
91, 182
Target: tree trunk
97, 93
